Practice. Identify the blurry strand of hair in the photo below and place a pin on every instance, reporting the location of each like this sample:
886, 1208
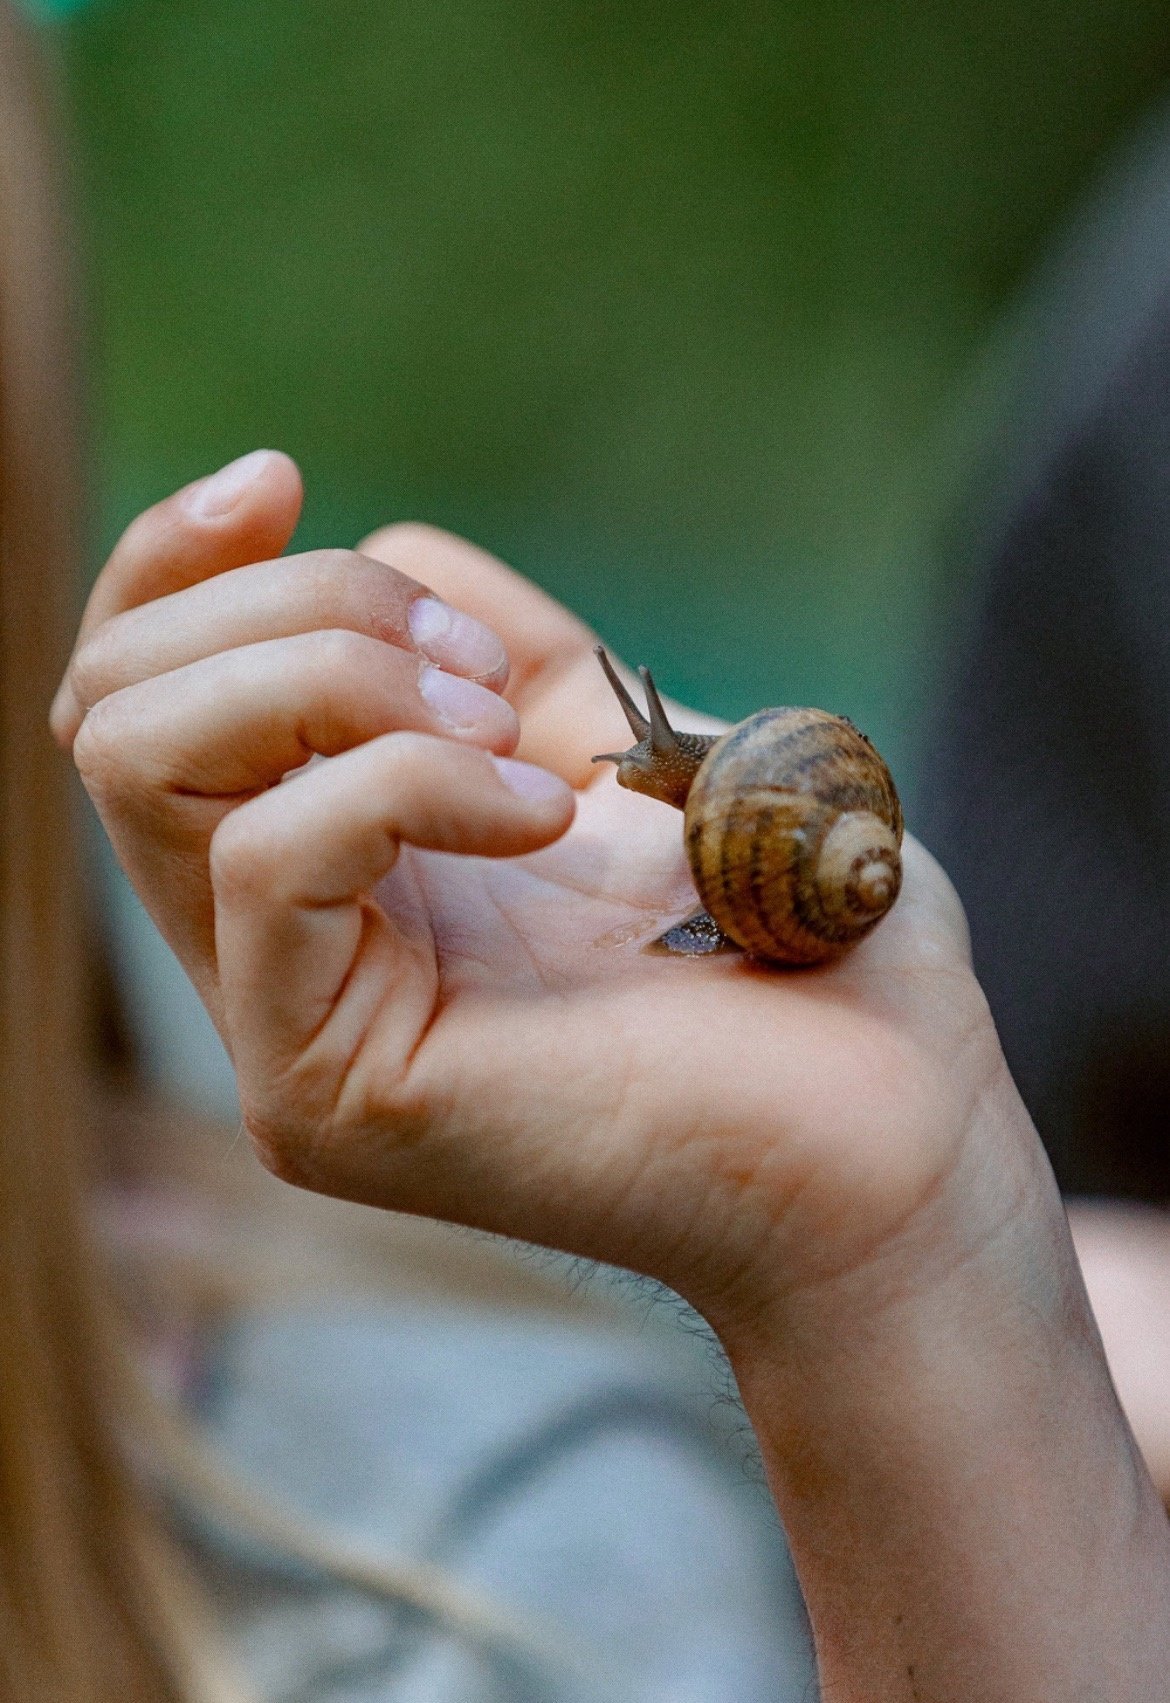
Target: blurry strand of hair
73, 1617
186, 1624
191, 1471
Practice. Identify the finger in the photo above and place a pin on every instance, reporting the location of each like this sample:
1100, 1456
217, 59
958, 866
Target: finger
246, 512
166, 759
328, 590
241, 720
311, 970
568, 712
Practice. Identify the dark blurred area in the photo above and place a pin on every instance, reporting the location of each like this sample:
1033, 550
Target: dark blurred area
1047, 784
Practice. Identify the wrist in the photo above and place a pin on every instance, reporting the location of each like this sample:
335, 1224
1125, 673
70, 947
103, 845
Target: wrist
975, 1298
952, 1196
966, 1508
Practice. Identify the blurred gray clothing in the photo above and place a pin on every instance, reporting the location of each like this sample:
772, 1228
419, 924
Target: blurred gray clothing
1047, 788
598, 1482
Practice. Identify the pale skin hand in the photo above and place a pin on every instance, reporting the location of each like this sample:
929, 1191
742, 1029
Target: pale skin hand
432, 989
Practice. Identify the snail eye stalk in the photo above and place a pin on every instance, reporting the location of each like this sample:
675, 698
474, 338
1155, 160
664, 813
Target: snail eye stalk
663, 738
639, 726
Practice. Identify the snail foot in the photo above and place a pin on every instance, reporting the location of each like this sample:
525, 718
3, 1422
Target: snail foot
696, 936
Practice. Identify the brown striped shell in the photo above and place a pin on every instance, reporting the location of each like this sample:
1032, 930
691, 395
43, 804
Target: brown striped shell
792, 830
792, 826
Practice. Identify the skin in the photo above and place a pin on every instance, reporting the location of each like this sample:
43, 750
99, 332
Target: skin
1124, 1254
434, 997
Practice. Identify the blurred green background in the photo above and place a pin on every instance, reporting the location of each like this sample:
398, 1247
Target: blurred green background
670, 305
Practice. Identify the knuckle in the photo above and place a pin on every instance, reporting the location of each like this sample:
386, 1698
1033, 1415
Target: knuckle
347, 589
90, 671
323, 575
101, 751
325, 570
279, 1147
336, 560
338, 652
242, 862
415, 760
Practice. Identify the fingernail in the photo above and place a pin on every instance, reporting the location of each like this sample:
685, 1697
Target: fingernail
219, 493
455, 640
464, 705
535, 786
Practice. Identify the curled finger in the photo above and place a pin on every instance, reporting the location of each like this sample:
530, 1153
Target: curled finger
315, 977
323, 590
166, 759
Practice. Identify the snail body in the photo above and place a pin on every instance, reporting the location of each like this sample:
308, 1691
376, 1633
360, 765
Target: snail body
792, 827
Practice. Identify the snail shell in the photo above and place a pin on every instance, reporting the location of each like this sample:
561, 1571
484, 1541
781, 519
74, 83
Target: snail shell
792, 826
792, 830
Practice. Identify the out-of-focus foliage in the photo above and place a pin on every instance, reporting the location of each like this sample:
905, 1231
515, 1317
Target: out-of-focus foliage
662, 302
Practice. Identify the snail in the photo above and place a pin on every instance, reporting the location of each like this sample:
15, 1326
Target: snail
792, 827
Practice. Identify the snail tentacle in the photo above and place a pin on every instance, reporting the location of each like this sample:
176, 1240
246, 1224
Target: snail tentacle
663, 763
639, 726
663, 738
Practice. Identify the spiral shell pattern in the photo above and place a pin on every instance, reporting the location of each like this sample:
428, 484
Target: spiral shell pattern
793, 830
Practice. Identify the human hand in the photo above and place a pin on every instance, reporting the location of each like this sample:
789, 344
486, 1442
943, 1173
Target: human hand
426, 967
431, 985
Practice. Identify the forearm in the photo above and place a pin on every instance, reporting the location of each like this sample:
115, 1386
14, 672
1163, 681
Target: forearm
968, 1513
